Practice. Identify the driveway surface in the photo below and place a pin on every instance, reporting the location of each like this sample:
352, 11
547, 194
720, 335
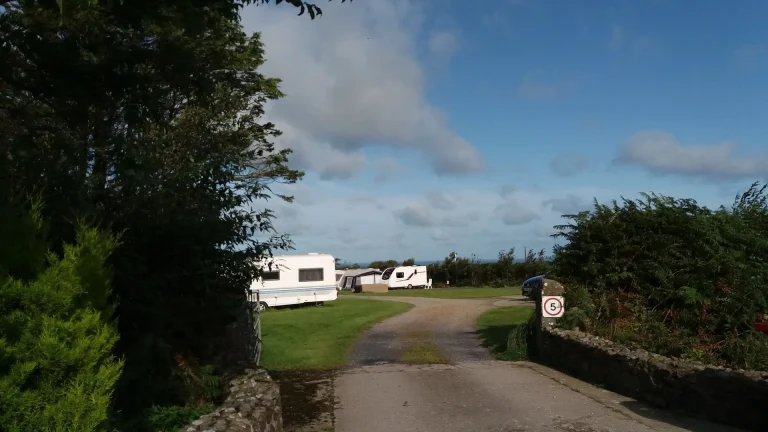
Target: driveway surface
470, 392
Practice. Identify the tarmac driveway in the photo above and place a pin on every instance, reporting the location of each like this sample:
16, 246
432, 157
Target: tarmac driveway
473, 392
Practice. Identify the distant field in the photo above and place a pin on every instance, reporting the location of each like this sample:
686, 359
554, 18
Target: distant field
319, 337
444, 293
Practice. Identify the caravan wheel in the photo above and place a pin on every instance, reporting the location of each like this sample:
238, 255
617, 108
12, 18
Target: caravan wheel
410, 286
262, 306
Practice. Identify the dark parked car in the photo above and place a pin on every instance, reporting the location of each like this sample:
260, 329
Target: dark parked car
530, 283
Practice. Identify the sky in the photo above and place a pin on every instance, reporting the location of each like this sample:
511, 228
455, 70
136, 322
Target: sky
431, 126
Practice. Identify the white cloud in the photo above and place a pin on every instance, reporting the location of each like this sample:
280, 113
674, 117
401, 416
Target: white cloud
387, 168
513, 213
660, 152
440, 200
507, 190
348, 223
416, 214
443, 44
328, 162
419, 214
439, 235
352, 79
571, 204
568, 164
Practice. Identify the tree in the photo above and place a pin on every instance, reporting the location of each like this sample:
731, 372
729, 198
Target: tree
57, 371
381, 265
309, 7
409, 262
144, 117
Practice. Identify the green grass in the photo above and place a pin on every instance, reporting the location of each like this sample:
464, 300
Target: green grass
319, 337
499, 327
421, 349
423, 352
443, 293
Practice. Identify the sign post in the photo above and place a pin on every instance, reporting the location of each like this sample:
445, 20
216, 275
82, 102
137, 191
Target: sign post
550, 305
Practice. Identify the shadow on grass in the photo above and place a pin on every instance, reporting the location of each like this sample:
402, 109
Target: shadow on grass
505, 342
504, 332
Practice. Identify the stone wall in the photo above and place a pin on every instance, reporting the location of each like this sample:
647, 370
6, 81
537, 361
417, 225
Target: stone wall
734, 397
252, 405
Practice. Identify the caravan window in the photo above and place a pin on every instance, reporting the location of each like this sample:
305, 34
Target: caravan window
387, 273
270, 276
310, 275
400, 275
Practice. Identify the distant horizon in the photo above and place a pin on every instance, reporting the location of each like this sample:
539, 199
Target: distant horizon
427, 262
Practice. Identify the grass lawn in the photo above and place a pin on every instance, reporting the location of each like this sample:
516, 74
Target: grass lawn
495, 325
319, 337
444, 293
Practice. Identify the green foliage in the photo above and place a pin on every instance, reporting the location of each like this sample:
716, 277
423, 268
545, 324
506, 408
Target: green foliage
170, 419
23, 250
470, 271
381, 265
303, 6
578, 308
506, 331
57, 370
144, 118
518, 341
670, 276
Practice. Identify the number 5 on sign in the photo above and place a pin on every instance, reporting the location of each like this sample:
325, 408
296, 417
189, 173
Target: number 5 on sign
552, 306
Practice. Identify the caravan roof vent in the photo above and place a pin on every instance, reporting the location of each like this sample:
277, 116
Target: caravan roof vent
313, 253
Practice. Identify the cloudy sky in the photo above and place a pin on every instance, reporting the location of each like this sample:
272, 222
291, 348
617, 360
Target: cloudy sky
431, 126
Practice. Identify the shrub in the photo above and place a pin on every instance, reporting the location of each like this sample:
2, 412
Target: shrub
170, 419
670, 276
519, 341
57, 370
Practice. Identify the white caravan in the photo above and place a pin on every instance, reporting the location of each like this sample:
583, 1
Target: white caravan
295, 279
406, 277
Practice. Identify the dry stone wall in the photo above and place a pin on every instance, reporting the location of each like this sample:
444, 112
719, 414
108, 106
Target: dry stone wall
734, 397
252, 405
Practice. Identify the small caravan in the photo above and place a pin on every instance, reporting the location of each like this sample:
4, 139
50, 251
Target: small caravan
295, 279
406, 277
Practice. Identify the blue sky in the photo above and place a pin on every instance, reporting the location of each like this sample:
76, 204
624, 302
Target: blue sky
427, 127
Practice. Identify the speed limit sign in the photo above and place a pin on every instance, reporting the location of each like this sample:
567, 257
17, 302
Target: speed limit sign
552, 306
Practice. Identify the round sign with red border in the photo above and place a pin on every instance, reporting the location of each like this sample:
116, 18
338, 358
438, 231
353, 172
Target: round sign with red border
552, 306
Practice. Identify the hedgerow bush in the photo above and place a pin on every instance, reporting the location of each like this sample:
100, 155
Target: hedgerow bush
671, 276
57, 370
470, 271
